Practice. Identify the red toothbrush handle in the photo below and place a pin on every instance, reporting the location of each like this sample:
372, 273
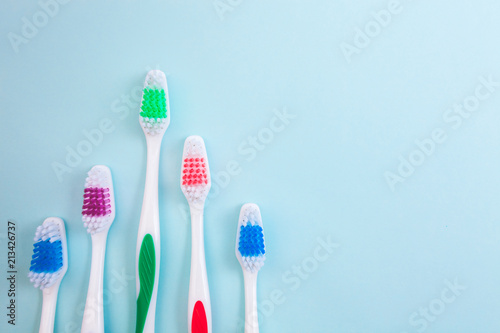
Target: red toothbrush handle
199, 321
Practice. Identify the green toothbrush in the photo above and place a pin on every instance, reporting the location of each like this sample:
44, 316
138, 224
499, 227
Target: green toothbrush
154, 119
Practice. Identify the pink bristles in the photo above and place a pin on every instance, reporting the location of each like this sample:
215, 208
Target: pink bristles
96, 202
194, 172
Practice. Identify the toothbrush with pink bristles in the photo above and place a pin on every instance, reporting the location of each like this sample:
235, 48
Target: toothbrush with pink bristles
195, 184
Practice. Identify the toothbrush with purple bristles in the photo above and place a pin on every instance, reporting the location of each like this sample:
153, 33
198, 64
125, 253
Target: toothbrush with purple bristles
98, 214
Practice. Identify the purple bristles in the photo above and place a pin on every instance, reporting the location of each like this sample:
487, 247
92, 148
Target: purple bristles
96, 202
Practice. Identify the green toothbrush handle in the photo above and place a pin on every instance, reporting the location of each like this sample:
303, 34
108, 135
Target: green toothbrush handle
146, 269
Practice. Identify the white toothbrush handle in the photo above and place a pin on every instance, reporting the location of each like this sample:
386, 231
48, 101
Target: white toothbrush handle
199, 308
49, 308
148, 241
93, 317
251, 316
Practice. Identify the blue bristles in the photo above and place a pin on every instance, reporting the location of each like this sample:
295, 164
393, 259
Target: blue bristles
47, 257
251, 243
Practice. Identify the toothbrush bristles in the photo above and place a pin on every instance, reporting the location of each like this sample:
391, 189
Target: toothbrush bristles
97, 210
250, 242
47, 260
195, 174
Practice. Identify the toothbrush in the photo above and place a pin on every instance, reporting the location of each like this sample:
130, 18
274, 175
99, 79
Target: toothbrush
154, 119
98, 213
48, 266
250, 251
195, 184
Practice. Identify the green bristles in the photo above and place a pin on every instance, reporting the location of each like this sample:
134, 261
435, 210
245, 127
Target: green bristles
154, 103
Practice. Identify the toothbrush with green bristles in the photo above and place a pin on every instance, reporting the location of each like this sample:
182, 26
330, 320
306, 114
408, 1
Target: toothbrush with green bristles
154, 119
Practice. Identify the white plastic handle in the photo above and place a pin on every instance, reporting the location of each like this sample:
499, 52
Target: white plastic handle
198, 283
93, 316
49, 308
150, 223
251, 315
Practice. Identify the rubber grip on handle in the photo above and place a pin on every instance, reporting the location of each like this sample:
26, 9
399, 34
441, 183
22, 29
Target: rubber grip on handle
147, 266
199, 322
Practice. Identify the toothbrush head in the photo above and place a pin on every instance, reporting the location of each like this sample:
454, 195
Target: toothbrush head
195, 174
250, 248
49, 262
98, 210
155, 110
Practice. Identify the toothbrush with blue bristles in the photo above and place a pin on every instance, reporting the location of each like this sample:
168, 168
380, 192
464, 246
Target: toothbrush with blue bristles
49, 263
250, 251
154, 119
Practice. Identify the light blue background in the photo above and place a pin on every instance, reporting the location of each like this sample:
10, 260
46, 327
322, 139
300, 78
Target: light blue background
323, 175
